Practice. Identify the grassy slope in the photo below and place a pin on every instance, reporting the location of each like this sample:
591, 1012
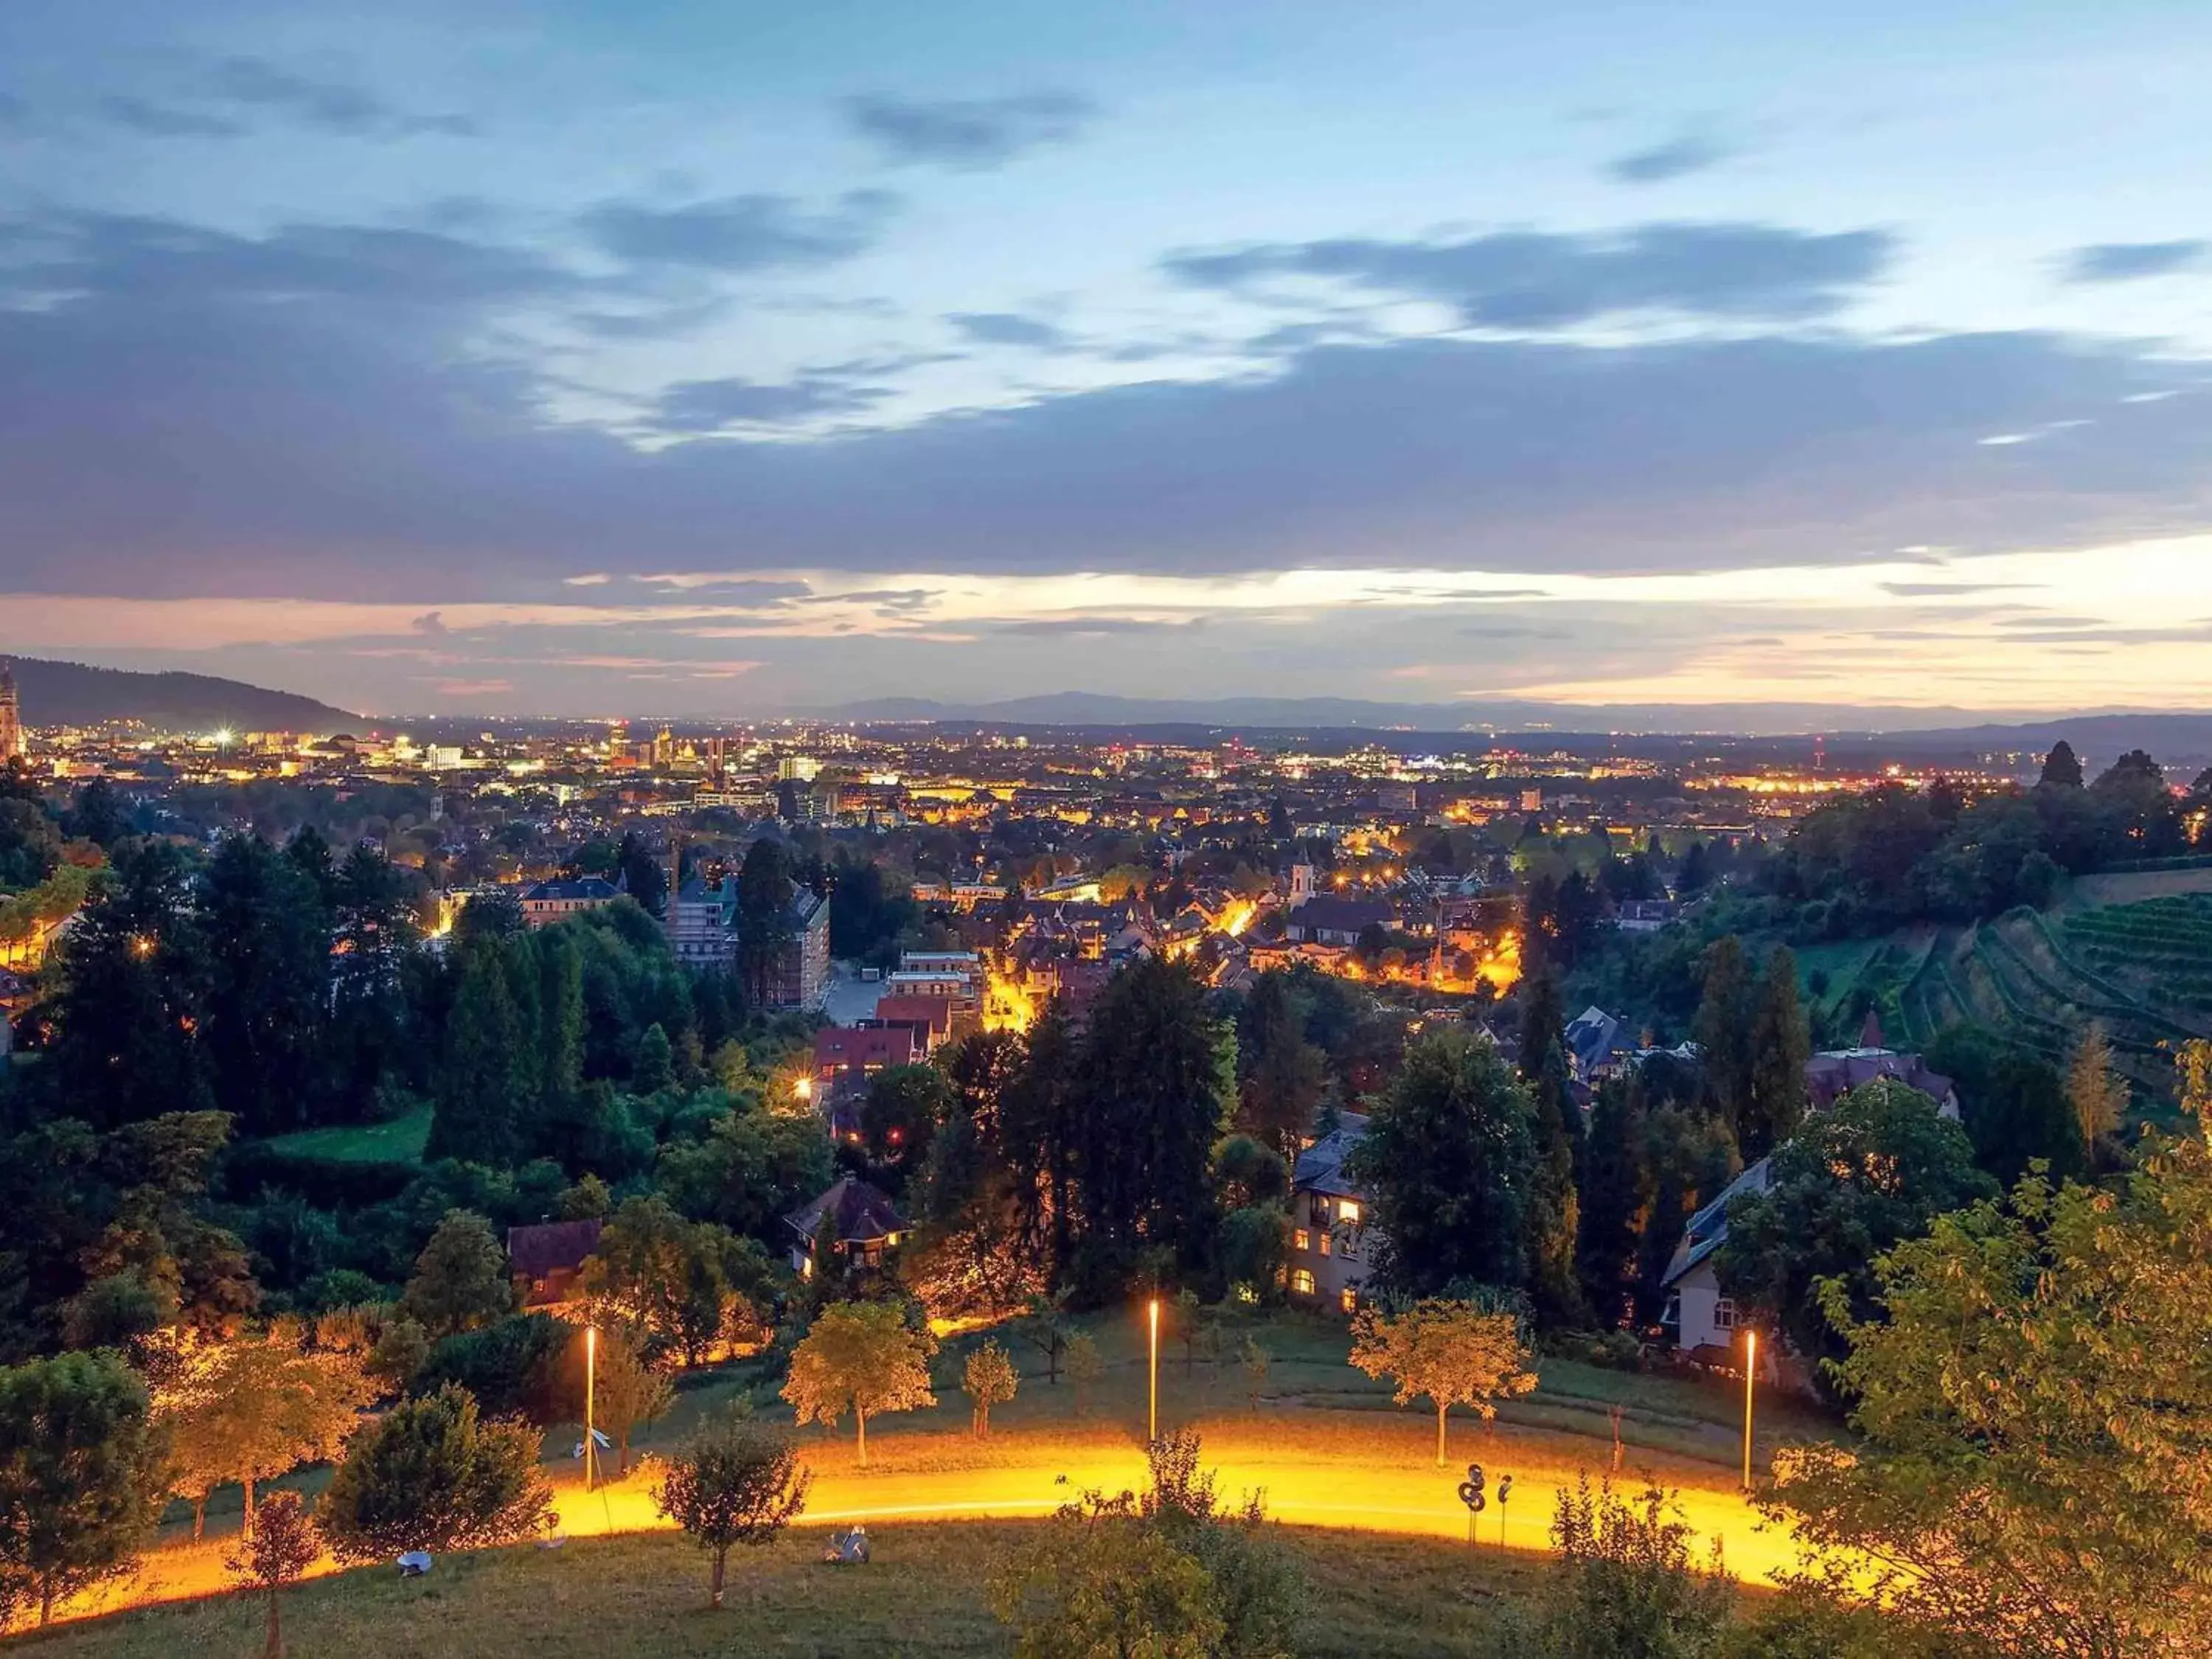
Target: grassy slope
400, 1141
1376, 1597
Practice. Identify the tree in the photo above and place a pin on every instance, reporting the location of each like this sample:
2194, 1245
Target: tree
2098, 1094
735, 1481
1097, 1581
1723, 1031
860, 1356
1449, 1157
1284, 1075
1628, 1584
1086, 1368
2028, 1475
257, 1409
674, 1280
1450, 1352
80, 1477
1873, 1169
2062, 768
1781, 1044
764, 893
487, 1071
1612, 1198
461, 1279
430, 1476
1254, 1363
280, 1544
988, 1379
656, 1061
1157, 1078
628, 1392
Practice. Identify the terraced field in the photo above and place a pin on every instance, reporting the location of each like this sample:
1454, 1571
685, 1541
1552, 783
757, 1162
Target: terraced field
2141, 967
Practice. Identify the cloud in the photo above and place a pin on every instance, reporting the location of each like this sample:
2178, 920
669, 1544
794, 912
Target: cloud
714, 406
1008, 328
967, 134
336, 106
757, 232
430, 623
155, 121
1935, 590
1538, 280
1079, 627
590, 579
317, 412
2120, 262
1690, 153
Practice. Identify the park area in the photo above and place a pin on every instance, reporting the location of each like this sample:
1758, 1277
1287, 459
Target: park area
1353, 1477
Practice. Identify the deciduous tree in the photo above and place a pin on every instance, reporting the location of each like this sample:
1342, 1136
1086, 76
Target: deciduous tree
1449, 1353
280, 1544
988, 1379
735, 1481
860, 1356
461, 1280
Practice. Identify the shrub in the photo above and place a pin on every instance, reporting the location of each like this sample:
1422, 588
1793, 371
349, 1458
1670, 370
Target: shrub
431, 1475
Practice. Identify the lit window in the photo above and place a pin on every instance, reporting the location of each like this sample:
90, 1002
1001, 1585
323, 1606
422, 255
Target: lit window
1349, 1300
1303, 1282
1346, 1210
1325, 1243
1301, 1239
1724, 1314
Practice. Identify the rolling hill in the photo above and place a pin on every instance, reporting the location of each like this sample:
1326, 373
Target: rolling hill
75, 694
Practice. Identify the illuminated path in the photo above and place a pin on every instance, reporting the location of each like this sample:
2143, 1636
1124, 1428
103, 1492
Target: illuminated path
1360, 1471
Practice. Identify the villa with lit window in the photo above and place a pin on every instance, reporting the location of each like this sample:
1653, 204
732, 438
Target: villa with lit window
1331, 1242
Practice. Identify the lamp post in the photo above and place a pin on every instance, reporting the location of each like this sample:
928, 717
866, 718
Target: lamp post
1153, 1411
1750, 1377
591, 1380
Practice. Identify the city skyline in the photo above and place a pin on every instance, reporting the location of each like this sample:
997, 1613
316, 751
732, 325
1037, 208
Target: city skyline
574, 358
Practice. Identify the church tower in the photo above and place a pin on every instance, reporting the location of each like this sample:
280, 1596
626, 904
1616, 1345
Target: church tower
13, 744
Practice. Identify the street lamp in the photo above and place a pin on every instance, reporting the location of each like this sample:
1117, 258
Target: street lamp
591, 1378
1153, 1419
1750, 1376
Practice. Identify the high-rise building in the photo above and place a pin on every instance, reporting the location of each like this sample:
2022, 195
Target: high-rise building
13, 744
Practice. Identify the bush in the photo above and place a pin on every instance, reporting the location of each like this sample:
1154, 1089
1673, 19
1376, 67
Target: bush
520, 1366
1627, 1587
431, 1475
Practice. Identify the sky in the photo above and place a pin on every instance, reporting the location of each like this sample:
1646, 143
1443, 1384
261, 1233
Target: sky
671, 357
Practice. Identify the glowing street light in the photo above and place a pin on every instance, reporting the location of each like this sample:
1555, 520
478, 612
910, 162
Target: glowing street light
1750, 1376
1152, 1416
591, 1378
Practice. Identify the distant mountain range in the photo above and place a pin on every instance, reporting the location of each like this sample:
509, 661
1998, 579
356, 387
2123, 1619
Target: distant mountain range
74, 694
2103, 732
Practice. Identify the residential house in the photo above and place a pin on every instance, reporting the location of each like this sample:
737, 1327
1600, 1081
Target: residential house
547, 1257
1595, 1041
546, 902
856, 1222
1331, 1243
1702, 1321
802, 972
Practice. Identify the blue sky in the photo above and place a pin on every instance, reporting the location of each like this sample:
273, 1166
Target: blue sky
690, 358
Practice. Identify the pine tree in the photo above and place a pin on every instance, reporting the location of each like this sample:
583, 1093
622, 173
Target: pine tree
1612, 1198
1781, 1044
486, 1075
1723, 1029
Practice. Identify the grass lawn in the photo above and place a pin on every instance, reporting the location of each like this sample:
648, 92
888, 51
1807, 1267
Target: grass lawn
1375, 1597
400, 1141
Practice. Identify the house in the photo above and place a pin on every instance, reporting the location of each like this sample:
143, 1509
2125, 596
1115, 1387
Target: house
1330, 918
546, 902
1594, 1040
547, 1257
933, 1017
1331, 1242
857, 1222
699, 924
1830, 1075
845, 1051
802, 971
1702, 1321
1645, 915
